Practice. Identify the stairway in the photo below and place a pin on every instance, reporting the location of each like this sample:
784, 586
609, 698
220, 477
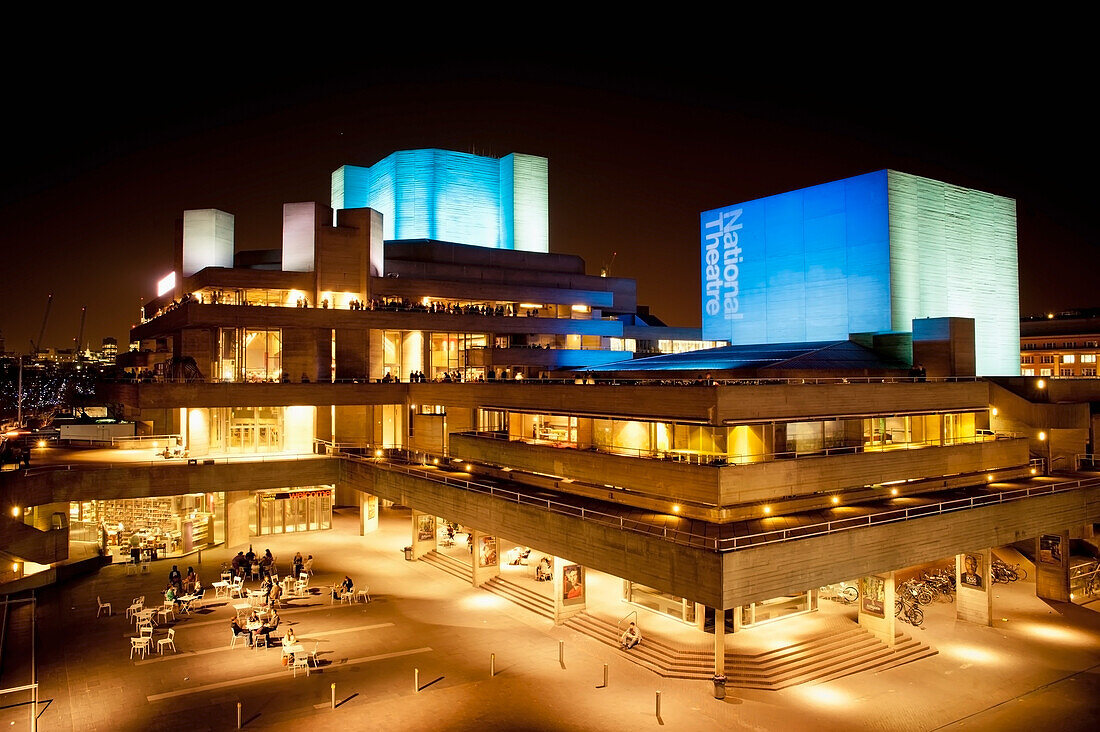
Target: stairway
821, 658
462, 570
525, 598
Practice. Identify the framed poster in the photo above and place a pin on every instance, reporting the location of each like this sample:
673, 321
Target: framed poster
425, 527
971, 575
1050, 549
372, 507
572, 584
487, 551
872, 590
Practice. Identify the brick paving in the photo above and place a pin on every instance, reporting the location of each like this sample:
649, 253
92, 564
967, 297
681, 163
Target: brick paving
1037, 670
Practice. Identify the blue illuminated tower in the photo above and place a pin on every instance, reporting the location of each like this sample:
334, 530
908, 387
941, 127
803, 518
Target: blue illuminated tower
864, 254
500, 203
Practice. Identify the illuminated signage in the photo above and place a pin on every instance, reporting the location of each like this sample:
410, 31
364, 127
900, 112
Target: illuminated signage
166, 284
864, 254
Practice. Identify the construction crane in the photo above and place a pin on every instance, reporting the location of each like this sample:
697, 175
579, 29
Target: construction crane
80, 335
605, 271
36, 346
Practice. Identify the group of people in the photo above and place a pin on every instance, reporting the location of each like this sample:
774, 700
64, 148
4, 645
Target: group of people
242, 563
184, 584
258, 631
344, 588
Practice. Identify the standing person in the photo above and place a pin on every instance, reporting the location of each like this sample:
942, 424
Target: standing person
298, 561
189, 581
175, 578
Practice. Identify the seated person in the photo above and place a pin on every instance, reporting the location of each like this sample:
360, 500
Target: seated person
274, 595
264, 632
174, 577
189, 580
235, 626
630, 638
289, 640
170, 596
344, 588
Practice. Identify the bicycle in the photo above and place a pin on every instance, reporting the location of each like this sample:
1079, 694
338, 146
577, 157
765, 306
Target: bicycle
909, 611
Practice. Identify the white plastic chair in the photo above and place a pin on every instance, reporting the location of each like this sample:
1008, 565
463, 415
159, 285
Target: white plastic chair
145, 629
139, 644
169, 641
102, 605
300, 661
363, 594
165, 610
347, 597
134, 608
238, 587
255, 573
313, 654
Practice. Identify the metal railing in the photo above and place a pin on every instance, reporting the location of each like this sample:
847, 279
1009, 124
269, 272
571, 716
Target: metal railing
173, 461
693, 539
718, 459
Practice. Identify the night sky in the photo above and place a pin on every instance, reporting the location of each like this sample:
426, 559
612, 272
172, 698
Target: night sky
101, 165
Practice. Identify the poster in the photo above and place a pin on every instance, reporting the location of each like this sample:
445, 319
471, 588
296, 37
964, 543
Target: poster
1050, 549
425, 527
487, 551
572, 584
971, 574
872, 590
372, 507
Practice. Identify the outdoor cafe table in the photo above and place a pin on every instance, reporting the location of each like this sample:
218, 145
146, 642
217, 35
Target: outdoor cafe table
288, 586
185, 602
241, 607
221, 589
146, 614
255, 596
293, 648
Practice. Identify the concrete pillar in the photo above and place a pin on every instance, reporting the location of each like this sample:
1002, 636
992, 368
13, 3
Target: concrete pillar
719, 642
236, 518
570, 591
423, 534
368, 514
876, 606
1052, 566
485, 558
700, 615
974, 580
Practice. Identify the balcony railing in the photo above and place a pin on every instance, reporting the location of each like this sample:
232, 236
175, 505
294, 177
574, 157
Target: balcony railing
693, 539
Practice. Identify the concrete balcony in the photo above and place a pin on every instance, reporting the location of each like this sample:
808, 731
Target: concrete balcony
724, 487
545, 358
29, 544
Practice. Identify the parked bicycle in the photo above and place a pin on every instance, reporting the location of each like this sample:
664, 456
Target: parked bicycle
842, 593
908, 610
1005, 573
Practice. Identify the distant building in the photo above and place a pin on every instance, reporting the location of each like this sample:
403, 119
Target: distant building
110, 349
1063, 345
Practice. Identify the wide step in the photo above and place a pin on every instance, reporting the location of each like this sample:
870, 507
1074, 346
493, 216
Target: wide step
814, 660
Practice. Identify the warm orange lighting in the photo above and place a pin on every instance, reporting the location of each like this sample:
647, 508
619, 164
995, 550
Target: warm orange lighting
1034, 471
676, 508
989, 478
767, 509
1041, 383
836, 500
14, 566
993, 411
15, 511
893, 491
41, 443
435, 461
469, 467
378, 453
1042, 436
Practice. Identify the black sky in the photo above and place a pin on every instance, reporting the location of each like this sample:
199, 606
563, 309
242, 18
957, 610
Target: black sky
103, 161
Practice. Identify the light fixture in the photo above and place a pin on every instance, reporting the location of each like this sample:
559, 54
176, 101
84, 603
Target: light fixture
15, 511
836, 500
676, 508
993, 411
989, 478
469, 467
41, 443
1042, 436
378, 453
15, 566
893, 491
767, 509
1034, 471
435, 461
1041, 383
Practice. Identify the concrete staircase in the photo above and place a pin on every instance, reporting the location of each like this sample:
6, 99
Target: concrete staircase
814, 660
525, 598
451, 566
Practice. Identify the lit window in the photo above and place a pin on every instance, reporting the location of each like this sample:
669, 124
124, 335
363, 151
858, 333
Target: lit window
1069, 358
1088, 358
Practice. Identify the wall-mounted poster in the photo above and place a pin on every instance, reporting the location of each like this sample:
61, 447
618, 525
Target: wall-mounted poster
372, 507
971, 574
425, 528
487, 551
1050, 549
572, 584
873, 591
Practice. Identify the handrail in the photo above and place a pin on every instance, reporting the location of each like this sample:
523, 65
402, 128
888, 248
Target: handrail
632, 612
173, 461
729, 543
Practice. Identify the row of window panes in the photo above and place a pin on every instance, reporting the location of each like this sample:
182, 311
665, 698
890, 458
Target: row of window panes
739, 443
1065, 358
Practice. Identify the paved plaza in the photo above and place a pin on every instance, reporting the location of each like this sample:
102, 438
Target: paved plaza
1037, 668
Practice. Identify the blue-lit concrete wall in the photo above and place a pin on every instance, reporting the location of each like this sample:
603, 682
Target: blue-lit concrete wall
808, 265
451, 196
863, 254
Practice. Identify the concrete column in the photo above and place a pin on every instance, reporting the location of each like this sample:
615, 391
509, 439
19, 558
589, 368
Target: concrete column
1052, 566
236, 517
700, 615
485, 558
876, 606
423, 534
368, 514
719, 642
974, 580
570, 589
